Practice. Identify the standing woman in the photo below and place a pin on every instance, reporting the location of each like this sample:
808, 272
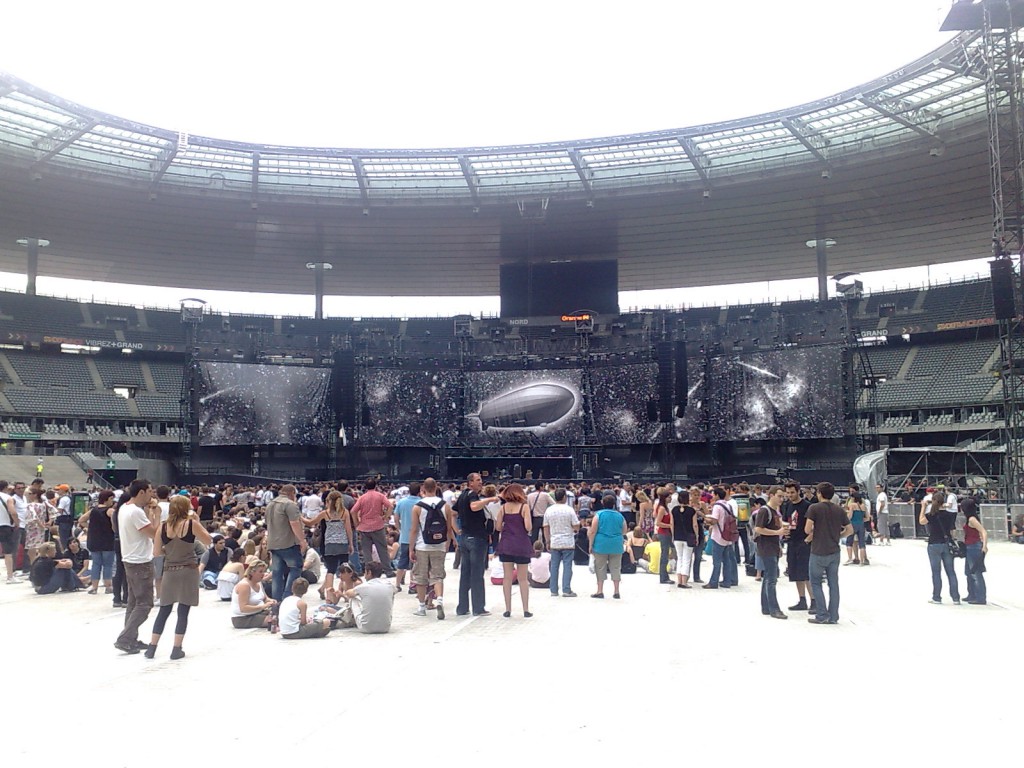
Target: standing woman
606, 532
99, 540
513, 523
976, 540
663, 526
176, 541
35, 523
645, 513
336, 537
940, 524
684, 537
856, 553
699, 507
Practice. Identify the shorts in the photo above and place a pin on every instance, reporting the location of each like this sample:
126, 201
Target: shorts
158, 567
8, 539
308, 631
798, 561
428, 568
515, 559
333, 563
404, 564
882, 524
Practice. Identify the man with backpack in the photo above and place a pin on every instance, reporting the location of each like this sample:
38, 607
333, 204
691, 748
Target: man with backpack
724, 533
430, 534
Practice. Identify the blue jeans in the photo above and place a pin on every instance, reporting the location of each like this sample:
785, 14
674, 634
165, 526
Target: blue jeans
940, 559
63, 579
825, 567
561, 558
975, 571
353, 557
102, 564
471, 573
286, 567
769, 578
665, 539
723, 561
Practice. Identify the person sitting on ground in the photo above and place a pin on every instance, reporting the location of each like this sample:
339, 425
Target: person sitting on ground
250, 606
636, 543
231, 574
293, 620
372, 601
80, 561
347, 579
539, 568
48, 575
497, 572
1017, 535
213, 560
312, 566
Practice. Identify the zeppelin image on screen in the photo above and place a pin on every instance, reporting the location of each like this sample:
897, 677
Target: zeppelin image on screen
535, 407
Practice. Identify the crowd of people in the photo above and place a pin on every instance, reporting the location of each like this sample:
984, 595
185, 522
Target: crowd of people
261, 548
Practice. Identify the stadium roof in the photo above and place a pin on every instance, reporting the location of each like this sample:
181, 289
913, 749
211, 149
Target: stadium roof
894, 170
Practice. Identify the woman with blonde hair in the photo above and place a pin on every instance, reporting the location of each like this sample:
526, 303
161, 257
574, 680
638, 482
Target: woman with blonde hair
250, 606
646, 509
176, 542
514, 522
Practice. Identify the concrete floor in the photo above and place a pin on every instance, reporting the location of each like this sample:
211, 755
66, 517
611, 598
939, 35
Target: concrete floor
664, 674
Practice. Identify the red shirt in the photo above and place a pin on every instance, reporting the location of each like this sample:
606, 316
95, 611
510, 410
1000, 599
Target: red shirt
370, 509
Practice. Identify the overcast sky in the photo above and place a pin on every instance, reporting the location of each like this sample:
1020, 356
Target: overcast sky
455, 74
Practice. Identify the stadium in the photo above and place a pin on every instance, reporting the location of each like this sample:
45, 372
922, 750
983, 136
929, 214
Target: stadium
565, 383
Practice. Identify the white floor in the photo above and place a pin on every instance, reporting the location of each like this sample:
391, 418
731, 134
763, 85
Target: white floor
663, 676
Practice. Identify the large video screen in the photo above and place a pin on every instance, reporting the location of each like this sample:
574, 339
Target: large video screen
408, 407
244, 404
781, 394
524, 407
621, 394
690, 428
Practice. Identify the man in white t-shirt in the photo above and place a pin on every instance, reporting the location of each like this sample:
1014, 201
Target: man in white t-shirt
560, 526
625, 498
8, 531
311, 505
882, 514
952, 502
373, 601
137, 522
428, 558
538, 501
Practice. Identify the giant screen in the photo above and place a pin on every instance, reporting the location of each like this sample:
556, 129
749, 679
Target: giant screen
793, 394
408, 407
524, 407
245, 404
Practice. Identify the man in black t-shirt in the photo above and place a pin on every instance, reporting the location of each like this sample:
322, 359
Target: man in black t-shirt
798, 550
826, 524
471, 526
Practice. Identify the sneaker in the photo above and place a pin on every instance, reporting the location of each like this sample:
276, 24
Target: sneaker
118, 604
710, 586
141, 645
779, 615
440, 612
977, 602
816, 620
935, 601
569, 594
483, 613
956, 602
14, 580
800, 606
126, 648
421, 611
554, 594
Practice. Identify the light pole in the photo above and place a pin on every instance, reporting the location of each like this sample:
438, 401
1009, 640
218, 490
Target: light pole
33, 244
319, 267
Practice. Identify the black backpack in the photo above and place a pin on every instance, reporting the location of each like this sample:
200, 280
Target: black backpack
435, 528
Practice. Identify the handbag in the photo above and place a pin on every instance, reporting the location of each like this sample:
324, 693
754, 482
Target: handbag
956, 547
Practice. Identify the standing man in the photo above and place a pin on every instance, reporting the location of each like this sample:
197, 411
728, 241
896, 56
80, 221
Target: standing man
64, 520
137, 522
428, 556
624, 500
21, 511
882, 514
471, 526
768, 533
8, 532
404, 513
798, 547
286, 542
560, 526
370, 521
723, 555
538, 501
740, 503
826, 524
